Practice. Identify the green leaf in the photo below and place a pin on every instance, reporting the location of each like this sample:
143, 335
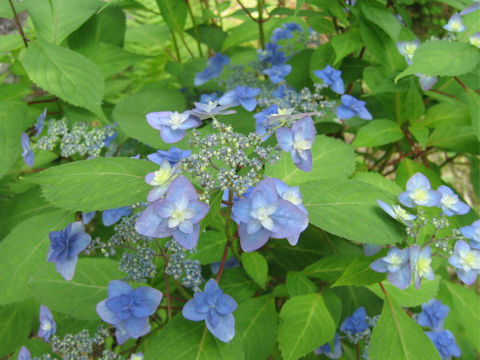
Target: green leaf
409, 297
247, 31
408, 168
333, 204
398, 337
379, 181
321, 24
130, 114
329, 267
414, 107
182, 339
358, 273
298, 284
56, 19
12, 115
331, 159
210, 247
256, 324
9, 42
298, 77
299, 5
346, 43
474, 110
305, 325
24, 251
215, 202
148, 34
210, 35
380, 16
109, 183
15, 324
442, 58
174, 13
66, 74
455, 138
354, 297
378, 132
79, 296
256, 266
234, 281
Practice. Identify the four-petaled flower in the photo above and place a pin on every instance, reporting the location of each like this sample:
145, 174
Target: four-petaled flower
331, 77
450, 204
351, 106
326, 349
278, 72
65, 245
466, 261
455, 24
178, 214
161, 180
112, 216
420, 260
397, 266
408, 48
397, 212
433, 314
298, 142
27, 152
472, 232
356, 323
272, 54
445, 343
211, 109
242, 95
24, 354
173, 155
128, 309
265, 215
214, 68
419, 192
173, 125
48, 326
216, 308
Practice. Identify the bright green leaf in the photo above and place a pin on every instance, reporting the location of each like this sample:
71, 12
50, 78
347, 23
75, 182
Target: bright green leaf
174, 13
358, 273
409, 297
378, 132
298, 284
256, 266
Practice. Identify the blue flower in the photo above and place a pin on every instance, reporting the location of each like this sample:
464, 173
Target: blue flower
280, 92
357, 323
433, 314
471, 8
291, 26
472, 232
397, 212
206, 98
419, 192
445, 343
242, 95
332, 78
450, 204
426, 82
397, 266
40, 122
216, 308
177, 215
371, 249
298, 142
420, 260
455, 24
136, 356
350, 107
407, 49
265, 215
272, 54
263, 122
214, 69
161, 180
128, 309
111, 216
475, 38
327, 350
173, 155
277, 73
65, 245
27, 151
173, 125
87, 217
210, 110
281, 33
48, 326
24, 354
109, 139
466, 261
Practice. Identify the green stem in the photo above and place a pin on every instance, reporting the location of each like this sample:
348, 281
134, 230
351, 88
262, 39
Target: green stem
217, 6
182, 290
195, 28
175, 44
260, 23
186, 45
18, 25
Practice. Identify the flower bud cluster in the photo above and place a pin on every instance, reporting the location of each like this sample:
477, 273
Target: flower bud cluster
138, 265
178, 265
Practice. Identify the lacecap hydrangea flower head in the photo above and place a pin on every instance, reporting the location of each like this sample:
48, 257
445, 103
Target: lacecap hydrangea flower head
173, 126
419, 192
397, 266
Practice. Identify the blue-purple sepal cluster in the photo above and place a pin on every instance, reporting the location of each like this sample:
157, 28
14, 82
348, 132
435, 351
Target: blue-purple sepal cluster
214, 68
128, 309
48, 326
326, 349
332, 78
241, 95
351, 106
27, 152
216, 308
397, 266
466, 261
173, 126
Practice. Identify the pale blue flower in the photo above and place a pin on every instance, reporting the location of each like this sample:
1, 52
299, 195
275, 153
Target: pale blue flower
24, 354
65, 245
272, 54
471, 8
475, 38
242, 95
407, 49
214, 68
210, 110
206, 98
173, 155
27, 152
327, 350
128, 309
419, 192
87, 217
455, 24
40, 123
277, 73
426, 82
445, 343
215, 308
356, 323
351, 106
397, 212
173, 125
161, 180
48, 326
280, 34
450, 204
420, 260
331, 77
112, 216
472, 232
433, 314
466, 261
397, 266
371, 249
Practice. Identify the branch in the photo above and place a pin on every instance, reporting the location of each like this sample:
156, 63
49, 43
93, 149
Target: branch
18, 25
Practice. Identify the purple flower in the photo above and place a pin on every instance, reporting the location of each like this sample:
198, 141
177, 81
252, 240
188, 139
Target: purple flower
242, 95
24, 354
216, 308
357, 323
397, 212
298, 142
450, 204
40, 122
112, 216
426, 82
87, 217
433, 314
214, 69
445, 343
291, 26
455, 24
128, 309
327, 350
397, 266
65, 245
472, 232
264, 120
420, 260
177, 215
206, 98
280, 92
173, 155
277, 73
265, 215
27, 151
471, 8
407, 49
161, 180
173, 125
272, 54
419, 192
466, 261
281, 33
48, 326
332, 78
350, 107
210, 110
